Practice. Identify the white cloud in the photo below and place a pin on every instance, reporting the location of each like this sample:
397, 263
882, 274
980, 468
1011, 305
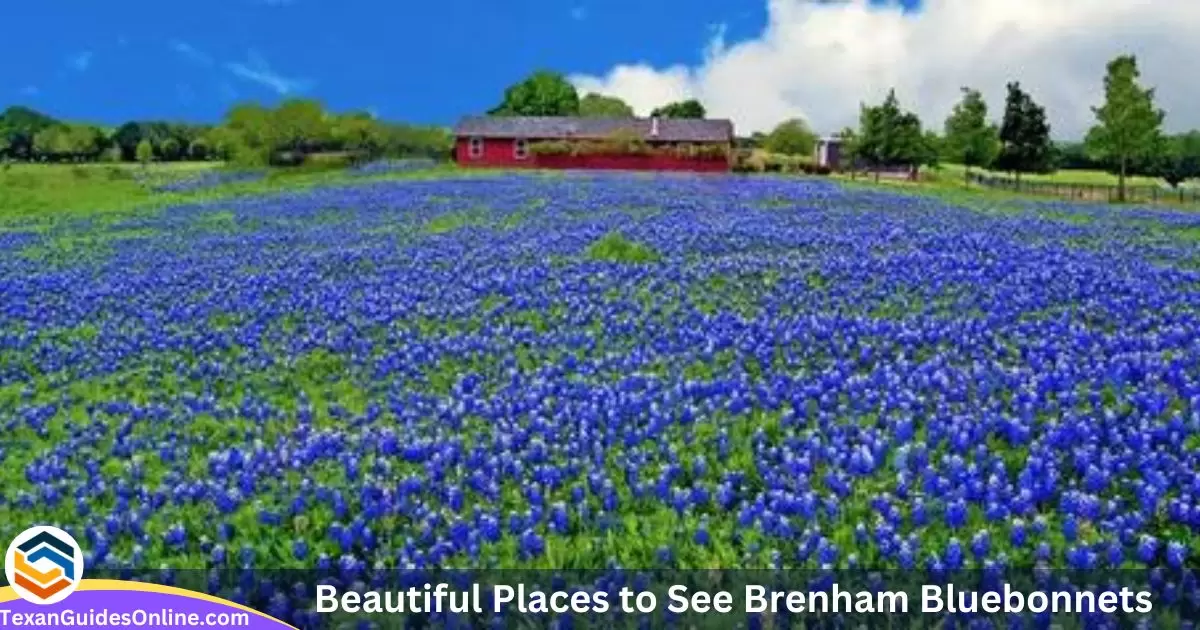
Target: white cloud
190, 52
256, 70
80, 61
579, 14
29, 90
821, 59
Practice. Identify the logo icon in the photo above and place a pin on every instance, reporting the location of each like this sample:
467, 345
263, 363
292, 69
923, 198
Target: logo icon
44, 565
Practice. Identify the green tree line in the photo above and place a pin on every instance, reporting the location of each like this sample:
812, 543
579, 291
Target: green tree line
249, 134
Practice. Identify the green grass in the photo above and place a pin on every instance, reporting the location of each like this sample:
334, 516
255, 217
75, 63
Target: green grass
614, 247
1065, 176
451, 221
952, 189
39, 196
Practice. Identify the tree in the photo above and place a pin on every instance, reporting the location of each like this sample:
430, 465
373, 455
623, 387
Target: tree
1129, 126
199, 149
170, 150
890, 136
300, 126
158, 132
791, 137
690, 108
544, 93
68, 142
359, 132
144, 152
1181, 158
248, 135
969, 138
848, 150
1024, 135
931, 149
18, 126
600, 106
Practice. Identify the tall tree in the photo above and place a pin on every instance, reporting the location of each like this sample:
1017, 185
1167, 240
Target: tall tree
1024, 135
1128, 125
544, 93
595, 105
791, 137
690, 108
969, 138
889, 136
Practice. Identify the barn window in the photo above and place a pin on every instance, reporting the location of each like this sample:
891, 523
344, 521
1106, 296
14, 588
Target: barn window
476, 148
520, 148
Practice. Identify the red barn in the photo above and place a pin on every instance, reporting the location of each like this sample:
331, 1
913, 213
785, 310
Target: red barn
655, 144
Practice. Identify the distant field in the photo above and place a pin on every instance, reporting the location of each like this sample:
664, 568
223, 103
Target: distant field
1094, 178
46, 193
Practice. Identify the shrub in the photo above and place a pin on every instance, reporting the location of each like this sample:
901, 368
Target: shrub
809, 168
614, 247
551, 147
702, 151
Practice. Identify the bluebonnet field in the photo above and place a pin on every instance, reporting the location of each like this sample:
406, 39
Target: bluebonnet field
203, 181
453, 373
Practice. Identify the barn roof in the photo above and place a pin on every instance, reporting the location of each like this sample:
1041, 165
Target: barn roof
564, 127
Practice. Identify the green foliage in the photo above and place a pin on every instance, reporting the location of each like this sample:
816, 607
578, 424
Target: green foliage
1128, 125
300, 125
254, 136
552, 147
1024, 135
1181, 158
18, 127
544, 93
970, 139
849, 148
931, 148
703, 151
614, 247
145, 151
595, 105
199, 149
69, 142
690, 108
626, 142
174, 137
889, 136
791, 137
170, 150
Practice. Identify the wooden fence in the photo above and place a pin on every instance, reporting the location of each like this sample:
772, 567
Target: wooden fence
1090, 192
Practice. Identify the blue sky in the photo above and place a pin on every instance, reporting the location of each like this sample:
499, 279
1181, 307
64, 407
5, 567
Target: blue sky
424, 62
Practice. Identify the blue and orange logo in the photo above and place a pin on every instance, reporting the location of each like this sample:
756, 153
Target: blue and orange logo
44, 565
